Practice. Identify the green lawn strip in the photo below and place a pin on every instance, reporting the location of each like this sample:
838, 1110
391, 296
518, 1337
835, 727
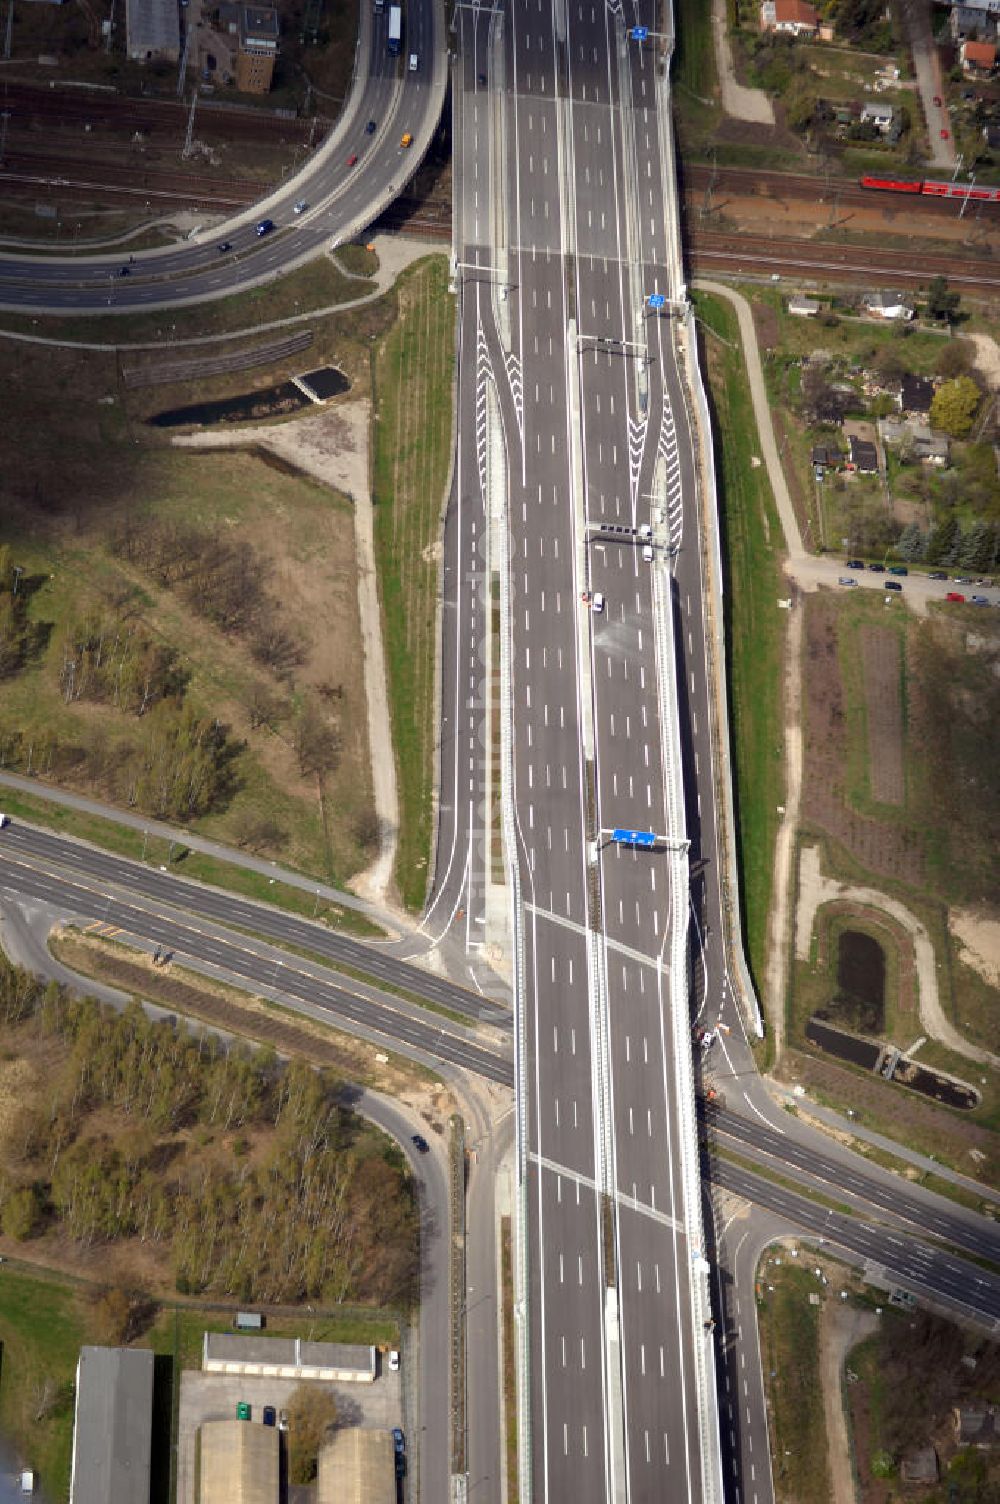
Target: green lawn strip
754, 626
412, 381
789, 1342
124, 841
42, 1327
318, 284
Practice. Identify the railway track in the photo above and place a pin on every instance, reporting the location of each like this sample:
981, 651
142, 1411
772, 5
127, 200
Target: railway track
802, 258
696, 179
26, 174
33, 108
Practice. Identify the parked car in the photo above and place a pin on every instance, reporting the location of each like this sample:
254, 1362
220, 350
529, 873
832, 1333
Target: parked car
898, 569
893, 585
956, 596
980, 600
269, 1415
964, 579
937, 100
846, 579
938, 574
393, 1361
877, 568
855, 564
420, 1143
945, 135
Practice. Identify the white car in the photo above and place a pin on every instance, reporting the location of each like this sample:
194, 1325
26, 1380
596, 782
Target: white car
300, 207
393, 1361
3, 820
598, 602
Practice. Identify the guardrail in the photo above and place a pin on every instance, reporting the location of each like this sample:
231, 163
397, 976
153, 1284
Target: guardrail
521, 1327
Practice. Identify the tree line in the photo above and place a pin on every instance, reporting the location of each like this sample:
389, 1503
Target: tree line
243, 1172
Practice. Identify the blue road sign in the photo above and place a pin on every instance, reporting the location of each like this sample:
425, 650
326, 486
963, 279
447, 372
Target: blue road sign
640, 33
633, 837
656, 300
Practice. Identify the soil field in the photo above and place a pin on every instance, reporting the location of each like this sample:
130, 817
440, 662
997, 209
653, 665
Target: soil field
884, 706
886, 850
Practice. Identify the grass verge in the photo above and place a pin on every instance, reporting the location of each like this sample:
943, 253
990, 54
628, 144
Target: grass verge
412, 442
789, 1343
754, 627
123, 840
41, 1329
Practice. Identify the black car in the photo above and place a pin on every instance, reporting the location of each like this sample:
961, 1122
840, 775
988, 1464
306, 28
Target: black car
123, 271
226, 245
893, 585
269, 1415
481, 80
855, 564
877, 568
419, 1142
370, 128
938, 574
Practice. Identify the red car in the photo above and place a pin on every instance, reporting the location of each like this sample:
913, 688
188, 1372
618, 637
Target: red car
937, 100
955, 595
352, 159
944, 135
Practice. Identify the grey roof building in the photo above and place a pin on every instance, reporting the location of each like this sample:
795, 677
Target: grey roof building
153, 30
112, 1428
287, 1358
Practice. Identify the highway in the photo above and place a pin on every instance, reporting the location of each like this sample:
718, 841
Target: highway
43, 851
556, 118
255, 964
341, 198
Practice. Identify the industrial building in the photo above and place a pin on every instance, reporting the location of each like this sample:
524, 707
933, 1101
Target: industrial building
287, 1358
238, 1463
152, 31
112, 1427
357, 1467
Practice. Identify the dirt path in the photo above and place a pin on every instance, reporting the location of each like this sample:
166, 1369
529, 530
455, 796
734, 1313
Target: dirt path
332, 447
815, 889
737, 100
841, 1328
784, 847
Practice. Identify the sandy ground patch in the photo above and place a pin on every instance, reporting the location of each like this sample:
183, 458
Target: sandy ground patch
987, 357
842, 1327
737, 99
979, 938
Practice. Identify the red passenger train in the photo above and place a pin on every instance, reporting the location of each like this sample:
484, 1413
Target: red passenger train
981, 192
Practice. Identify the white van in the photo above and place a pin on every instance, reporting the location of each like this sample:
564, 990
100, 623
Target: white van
598, 601
413, 62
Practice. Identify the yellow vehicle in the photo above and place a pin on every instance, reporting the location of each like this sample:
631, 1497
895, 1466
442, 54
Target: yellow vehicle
406, 139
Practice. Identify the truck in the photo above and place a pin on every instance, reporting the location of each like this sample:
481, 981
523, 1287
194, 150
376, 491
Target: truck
395, 30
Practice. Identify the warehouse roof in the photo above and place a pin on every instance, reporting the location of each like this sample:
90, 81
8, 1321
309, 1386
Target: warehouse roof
357, 1467
287, 1357
112, 1431
152, 29
239, 1463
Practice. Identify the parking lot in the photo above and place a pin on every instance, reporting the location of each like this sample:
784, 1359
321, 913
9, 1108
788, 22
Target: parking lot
214, 1396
